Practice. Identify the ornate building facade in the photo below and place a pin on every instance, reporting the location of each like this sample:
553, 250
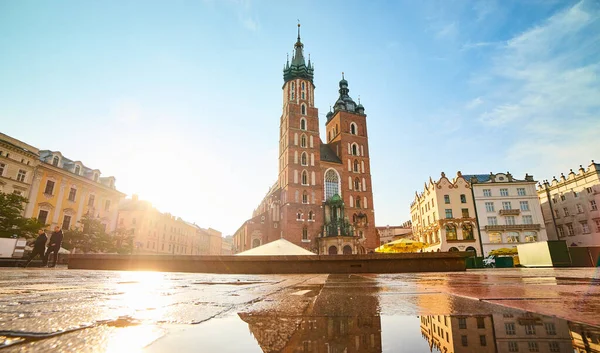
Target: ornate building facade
322, 199
508, 210
571, 206
443, 216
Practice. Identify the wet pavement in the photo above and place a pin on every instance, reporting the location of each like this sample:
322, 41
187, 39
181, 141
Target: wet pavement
495, 310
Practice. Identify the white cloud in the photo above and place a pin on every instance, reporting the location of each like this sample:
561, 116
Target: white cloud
450, 30
474, 103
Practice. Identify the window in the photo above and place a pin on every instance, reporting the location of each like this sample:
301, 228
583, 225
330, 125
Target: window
513, 237
575, 194
561, 231
585, 227
550, 328
495, 238
331, 184
589, 190
533, 346
353, 128
304, 177
303, 107
513, 347
462, 323
489, 206
354, 149
597, 224
357, 201
42, 216
562, 197
448, 213
463, 340
21, 175
467, 230
493, 221
299, 215
465, 212
510, 328
55, 161
450, 232
524, 205
510, 220
530, 237
527, 219
570, 230
356, 169
487, 192
593, 205
480, 322
566, 211
530, 329
554, 347
311, 216
506, 205
503, 192
303, 123
95, 177
72, 194
304, 197
304, 159
303, 141
49, 190
77, 169
521, 191
91, 201
107, 205
357, 184
304, 233
446, 199
66, 222
2, 166
579, 208
463, 198
482, 340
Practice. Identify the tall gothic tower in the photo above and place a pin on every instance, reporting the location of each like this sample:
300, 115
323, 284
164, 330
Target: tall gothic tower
299, 172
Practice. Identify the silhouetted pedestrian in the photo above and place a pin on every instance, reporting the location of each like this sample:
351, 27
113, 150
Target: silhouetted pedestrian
39, 247
55, 242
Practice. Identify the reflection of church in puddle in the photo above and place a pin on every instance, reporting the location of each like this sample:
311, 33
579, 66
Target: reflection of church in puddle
514, 332
335, 323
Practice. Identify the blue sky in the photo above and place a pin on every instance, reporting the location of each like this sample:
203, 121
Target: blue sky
180, 100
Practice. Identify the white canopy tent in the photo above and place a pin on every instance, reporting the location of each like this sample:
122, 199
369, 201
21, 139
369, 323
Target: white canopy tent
277, 247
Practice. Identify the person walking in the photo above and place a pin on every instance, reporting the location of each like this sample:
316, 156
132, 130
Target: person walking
39, 247
55, 242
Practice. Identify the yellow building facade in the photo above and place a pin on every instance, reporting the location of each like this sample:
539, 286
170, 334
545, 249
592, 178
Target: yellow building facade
63, 191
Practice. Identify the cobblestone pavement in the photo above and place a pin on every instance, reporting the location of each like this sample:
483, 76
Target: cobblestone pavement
109, 311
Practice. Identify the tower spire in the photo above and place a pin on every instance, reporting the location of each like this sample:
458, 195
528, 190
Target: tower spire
298, 31
298, 67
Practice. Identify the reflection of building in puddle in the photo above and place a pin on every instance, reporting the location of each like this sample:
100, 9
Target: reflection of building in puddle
585, 338
343, 318
459, 333
515, 332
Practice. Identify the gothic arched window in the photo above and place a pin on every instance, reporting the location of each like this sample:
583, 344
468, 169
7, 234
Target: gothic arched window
357, 184
304, 159
354, 149
303, 107
332, 184
303, 141
353, 129
356, 166
304, 233
304, 197
311, 216
358, 202
304, 177
303, 123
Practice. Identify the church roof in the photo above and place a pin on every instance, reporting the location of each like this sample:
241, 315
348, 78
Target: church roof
328, 155
277, 247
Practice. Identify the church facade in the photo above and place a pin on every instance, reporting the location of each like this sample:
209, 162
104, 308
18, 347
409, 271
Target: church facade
322, 199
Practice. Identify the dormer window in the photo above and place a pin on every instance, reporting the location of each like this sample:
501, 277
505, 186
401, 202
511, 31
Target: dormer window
77, 170
55, 161
95, 176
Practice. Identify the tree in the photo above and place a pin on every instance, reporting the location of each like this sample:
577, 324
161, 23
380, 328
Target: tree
92, 237
11, 220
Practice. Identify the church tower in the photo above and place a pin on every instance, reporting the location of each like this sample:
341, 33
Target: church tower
299, 155
346, 131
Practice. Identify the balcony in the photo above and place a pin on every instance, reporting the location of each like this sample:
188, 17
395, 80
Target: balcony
511, 212
517, 227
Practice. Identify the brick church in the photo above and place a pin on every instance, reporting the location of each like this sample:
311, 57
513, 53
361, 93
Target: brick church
322, 200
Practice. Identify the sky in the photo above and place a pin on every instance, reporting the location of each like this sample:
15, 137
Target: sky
181, 100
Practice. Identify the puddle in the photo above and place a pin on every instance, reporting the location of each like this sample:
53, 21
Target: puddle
512, 331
